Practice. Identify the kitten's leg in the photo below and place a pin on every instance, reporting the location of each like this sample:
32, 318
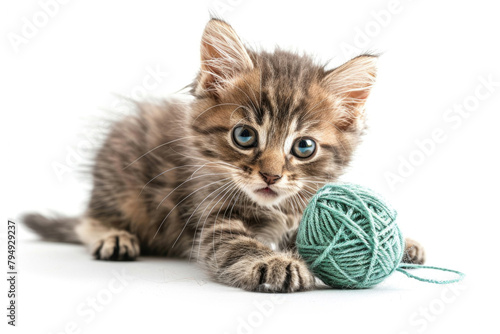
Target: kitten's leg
107, 243
288, 241
235, 258
414, 252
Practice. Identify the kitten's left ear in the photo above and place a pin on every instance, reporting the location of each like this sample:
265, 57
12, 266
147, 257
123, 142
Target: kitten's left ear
352, 83
223, 56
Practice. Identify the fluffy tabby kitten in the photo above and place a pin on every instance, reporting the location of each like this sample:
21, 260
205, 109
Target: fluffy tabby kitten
224, 177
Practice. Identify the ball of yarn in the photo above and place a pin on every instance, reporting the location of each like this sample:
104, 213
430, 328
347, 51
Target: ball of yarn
349, 237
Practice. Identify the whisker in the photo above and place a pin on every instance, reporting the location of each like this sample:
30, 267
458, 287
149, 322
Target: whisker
164, 219
196, 230
199, 158
192, 214
236, 193
189, 179
231, 190
301, 200
208, 164
201, 217
166, 171
157, 147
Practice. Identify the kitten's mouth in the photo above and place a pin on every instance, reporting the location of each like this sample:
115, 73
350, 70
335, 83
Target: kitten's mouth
267, 192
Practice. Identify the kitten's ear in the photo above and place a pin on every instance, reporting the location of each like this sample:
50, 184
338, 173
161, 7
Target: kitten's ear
223, 55
352, 83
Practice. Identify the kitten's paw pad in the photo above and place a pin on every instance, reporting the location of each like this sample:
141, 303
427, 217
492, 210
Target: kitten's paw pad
281, 273
414, 252
121, 246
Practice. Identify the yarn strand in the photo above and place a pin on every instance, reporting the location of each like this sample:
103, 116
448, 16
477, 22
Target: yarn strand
404, 266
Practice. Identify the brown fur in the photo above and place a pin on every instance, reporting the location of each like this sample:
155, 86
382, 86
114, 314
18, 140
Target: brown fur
171, 181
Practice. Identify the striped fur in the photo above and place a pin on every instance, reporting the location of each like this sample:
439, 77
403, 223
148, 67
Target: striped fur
171, 181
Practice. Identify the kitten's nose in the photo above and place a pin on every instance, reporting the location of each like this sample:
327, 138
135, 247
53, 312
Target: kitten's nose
270, 179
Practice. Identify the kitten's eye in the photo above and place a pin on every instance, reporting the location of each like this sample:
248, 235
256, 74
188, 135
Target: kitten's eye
245, 136
303, 148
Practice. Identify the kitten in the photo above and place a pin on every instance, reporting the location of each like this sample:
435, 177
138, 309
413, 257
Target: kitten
224, 177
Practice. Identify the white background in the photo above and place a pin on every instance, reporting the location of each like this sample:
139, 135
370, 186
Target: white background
435, 53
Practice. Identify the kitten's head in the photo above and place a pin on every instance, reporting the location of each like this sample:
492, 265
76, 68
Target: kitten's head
285, 124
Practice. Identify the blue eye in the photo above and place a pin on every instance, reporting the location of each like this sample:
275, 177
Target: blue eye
303, 148
244, 136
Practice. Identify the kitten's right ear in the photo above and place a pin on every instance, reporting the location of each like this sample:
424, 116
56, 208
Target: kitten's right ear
223, 55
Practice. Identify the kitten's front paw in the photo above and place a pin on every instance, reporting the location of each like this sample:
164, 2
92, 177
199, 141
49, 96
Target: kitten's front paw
121, 246
281, 273
414, 252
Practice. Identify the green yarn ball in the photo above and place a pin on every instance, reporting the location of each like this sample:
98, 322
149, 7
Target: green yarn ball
349, 237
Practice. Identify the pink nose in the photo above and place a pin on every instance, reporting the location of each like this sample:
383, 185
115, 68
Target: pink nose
270, 179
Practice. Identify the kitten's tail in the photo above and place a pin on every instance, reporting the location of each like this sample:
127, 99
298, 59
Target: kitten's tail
60, 229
